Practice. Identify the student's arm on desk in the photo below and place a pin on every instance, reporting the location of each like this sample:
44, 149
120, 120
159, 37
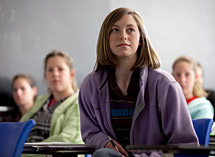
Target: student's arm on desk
90, 128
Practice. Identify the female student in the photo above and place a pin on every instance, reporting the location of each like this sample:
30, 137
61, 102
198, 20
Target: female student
56, 114
24, 93
185, 72
127, 98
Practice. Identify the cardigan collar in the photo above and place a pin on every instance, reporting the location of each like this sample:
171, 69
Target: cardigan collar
101, 76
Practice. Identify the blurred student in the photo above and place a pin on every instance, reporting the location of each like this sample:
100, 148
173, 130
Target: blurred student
24, 93
210, 93
57, 113
185, 72
127, 97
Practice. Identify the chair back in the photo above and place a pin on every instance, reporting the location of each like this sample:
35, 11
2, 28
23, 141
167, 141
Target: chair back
13, 136
203, 130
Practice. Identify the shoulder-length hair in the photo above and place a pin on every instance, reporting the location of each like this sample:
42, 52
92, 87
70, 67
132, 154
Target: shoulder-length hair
68, 61
198, 90
146, 54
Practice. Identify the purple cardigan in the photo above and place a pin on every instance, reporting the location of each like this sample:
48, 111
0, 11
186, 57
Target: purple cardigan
161, 114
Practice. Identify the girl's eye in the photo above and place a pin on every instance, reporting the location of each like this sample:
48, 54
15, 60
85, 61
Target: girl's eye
130, 30
114, 30
60, 69
187, 74
178, 74
15, 89
50, 70
23, 89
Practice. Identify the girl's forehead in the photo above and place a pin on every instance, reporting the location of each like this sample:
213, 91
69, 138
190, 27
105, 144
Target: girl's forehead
56, 59
21, 82
183, 62
127, 18
184, 65
21, 79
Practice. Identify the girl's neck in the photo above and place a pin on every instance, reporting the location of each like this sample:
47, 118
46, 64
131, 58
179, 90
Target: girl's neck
24, 108
123, 73
62, 95
123, 76
189, 95
124, 66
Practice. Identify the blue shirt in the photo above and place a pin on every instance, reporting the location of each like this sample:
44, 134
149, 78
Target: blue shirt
201, 108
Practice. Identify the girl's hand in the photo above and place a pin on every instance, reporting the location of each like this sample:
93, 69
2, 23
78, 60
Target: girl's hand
119, 148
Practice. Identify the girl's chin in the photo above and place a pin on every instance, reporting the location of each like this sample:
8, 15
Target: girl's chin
56, 89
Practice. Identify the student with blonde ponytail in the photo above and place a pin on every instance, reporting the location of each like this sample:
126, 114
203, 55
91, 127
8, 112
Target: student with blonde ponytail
57, 113
185, 72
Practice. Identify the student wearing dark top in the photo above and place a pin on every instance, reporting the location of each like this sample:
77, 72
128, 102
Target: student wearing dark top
127, 97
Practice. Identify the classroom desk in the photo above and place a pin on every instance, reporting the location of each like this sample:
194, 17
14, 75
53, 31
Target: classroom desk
58, 149
173, 149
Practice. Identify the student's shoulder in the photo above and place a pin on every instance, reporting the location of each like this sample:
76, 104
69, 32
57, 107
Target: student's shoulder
163, 81
42, 97
201, 103
95, 78
161, 75
88, 77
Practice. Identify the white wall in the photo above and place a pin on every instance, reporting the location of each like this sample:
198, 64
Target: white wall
29, 29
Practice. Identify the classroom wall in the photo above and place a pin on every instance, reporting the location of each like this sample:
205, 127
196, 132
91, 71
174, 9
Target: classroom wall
29, 29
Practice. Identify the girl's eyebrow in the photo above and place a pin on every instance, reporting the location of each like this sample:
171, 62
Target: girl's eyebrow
115, 26
128, 25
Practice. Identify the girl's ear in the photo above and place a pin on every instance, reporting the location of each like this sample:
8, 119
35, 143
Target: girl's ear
196, 76
72, 73
34, 90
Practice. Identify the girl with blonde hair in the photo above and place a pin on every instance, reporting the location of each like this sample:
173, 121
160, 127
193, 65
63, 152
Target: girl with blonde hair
57, 113
185, 72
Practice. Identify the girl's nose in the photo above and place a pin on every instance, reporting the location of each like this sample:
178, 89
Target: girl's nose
19, 92
55, 72
123, 35
182, 79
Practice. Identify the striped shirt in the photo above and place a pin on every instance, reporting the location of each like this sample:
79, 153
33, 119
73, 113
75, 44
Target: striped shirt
122, 106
